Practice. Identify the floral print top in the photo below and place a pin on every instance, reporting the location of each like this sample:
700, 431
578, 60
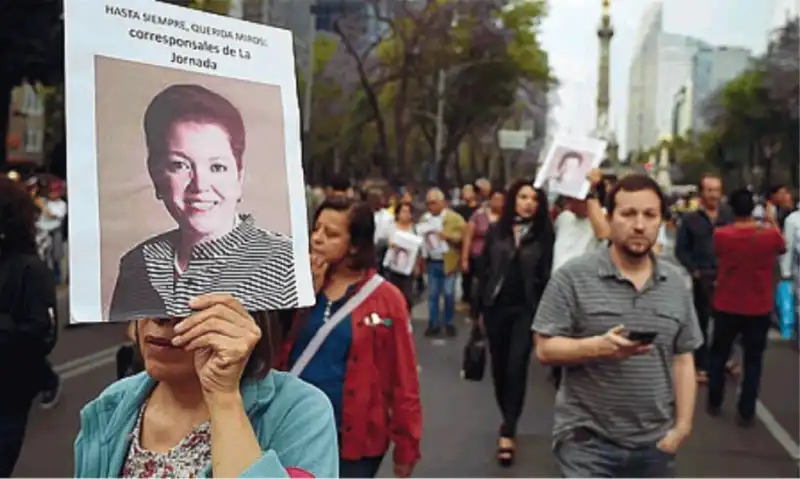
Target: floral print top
189, 458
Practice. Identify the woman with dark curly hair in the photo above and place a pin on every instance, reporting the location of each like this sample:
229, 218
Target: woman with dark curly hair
27, 318
516, 262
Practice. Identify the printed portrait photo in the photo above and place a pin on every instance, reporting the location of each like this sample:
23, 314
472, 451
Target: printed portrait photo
192, 189
570, 166
401, 259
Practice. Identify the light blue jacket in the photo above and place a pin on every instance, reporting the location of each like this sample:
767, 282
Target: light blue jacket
293, 422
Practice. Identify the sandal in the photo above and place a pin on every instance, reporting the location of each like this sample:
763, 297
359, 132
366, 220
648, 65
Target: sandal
505, 455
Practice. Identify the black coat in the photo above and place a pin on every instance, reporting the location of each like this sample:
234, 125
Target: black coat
535, 255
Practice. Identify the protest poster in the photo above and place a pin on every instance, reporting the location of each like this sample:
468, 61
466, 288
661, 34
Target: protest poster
184, 162
430, 229
402, 254
567, 162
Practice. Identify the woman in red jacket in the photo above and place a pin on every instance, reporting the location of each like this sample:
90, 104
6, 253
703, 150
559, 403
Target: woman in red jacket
356, 345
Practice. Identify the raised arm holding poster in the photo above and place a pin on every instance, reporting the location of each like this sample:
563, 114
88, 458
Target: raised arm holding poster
567, 161
184, 149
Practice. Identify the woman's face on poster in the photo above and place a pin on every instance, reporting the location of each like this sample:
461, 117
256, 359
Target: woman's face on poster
201, 182
400, 257
569, 167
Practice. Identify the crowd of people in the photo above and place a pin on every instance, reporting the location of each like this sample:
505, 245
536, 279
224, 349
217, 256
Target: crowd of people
326, 391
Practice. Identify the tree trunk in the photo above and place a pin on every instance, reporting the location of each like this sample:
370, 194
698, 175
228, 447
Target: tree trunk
5, 108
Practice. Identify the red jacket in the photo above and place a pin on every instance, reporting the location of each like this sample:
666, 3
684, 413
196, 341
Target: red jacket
381, 384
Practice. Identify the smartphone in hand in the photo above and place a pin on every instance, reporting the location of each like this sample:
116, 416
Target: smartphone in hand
643, 337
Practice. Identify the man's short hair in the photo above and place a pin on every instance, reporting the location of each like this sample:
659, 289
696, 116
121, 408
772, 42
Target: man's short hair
634, 183
742, 203
338, 183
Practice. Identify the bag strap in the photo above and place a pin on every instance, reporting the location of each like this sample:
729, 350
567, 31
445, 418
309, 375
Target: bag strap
322, 333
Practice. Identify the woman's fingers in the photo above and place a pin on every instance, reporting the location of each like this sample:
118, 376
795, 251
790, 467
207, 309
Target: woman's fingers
227, 349
211, 325
222, 310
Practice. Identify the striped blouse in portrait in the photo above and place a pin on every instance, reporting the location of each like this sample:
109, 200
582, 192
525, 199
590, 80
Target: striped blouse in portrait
254, 265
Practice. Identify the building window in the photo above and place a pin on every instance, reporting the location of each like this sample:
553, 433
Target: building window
34, 140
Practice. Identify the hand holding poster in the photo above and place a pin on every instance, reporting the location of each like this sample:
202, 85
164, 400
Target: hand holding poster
184, 140
402, 255
567, 162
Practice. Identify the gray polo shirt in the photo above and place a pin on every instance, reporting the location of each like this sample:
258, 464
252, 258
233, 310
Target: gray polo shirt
632, 401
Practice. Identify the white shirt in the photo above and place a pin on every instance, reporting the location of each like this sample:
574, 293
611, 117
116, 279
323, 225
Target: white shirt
384, 222
574, 237
57, 210
791, 232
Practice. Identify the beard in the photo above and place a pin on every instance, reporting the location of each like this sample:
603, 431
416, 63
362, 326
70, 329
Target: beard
635, 252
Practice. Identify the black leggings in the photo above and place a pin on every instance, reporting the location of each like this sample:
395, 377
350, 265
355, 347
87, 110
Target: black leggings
510, 345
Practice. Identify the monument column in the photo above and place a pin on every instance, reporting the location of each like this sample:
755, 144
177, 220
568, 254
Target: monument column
605, 32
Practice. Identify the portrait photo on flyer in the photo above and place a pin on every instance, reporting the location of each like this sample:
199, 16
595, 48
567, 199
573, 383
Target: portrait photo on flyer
567, 160
184, 139
401, 256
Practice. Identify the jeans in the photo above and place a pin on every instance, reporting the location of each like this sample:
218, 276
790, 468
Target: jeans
753, 331
12, 435
586, 454
364, 467
510, 346
440, 284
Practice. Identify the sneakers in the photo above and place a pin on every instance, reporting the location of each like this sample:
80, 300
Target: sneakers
50, 397
433, 332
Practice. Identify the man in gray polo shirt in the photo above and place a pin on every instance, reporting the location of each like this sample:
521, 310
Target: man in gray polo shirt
625, 406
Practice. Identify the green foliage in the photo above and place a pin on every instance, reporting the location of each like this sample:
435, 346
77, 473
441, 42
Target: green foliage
754, 119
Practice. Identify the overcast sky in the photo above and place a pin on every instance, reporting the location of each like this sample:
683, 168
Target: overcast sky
569, 35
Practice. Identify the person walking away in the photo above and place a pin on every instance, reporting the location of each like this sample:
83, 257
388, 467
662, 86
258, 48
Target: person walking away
469, 203
694, 249
383, 223
621, 323
743, 302
28, 323
442, 262
404, 221
580, 228
474, 240
366, 365
516, 262
51, 219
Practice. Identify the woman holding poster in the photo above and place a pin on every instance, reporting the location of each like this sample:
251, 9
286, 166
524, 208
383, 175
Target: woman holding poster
208, 397
398, 271
356, 345
195, 144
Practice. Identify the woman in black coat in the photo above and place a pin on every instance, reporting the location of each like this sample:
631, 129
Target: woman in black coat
516, 259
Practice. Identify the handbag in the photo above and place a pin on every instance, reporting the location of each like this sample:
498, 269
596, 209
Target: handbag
474, 362
785, 309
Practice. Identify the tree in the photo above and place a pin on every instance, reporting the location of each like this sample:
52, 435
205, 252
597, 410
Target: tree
31, 48
485, 49
754, 116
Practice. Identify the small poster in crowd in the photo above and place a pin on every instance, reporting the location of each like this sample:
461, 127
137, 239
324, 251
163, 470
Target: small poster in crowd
567, 161
430, 229
183, 144
402, 255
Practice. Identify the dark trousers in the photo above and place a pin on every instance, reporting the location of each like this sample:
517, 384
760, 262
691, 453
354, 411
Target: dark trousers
753, 331
703, 292
12, 435
468, 284
364, 467
50, 378
585, 454
404, 283
510, 345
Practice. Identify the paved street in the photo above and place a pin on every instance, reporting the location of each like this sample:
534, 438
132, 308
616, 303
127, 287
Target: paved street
460, 418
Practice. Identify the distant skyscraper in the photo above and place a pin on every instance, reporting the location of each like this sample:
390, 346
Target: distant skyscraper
711, 69
662, 63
